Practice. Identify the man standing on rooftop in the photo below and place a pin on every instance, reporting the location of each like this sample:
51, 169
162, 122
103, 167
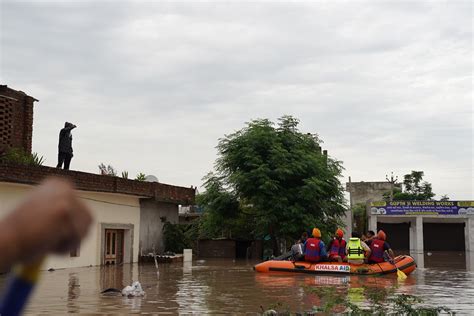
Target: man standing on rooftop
65, 146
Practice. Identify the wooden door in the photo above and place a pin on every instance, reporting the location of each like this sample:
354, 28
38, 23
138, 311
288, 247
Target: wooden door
113, 246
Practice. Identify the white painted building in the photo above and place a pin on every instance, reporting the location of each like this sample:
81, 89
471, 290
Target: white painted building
128, 215
115, 235
115, 212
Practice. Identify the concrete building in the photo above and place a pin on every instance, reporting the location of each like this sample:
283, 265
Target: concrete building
366, 192
420, 228
128, 214
362, 193
427, 227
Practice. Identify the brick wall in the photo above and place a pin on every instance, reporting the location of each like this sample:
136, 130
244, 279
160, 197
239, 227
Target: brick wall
16, 119
224, 248
99, 183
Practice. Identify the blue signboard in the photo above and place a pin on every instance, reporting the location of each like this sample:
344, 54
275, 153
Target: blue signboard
422, 208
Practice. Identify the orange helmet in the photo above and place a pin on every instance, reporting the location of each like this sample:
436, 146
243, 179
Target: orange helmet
339, 233
316, 233
381, 235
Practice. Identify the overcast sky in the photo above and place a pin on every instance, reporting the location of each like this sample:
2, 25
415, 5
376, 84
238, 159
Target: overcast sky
152, 87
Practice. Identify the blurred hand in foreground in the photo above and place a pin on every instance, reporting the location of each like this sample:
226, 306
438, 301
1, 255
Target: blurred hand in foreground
51, 219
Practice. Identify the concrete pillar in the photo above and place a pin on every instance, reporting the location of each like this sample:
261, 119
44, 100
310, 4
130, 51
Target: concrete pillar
412, 237
347, 219
469, 240
416, 242
373, 223
187, 255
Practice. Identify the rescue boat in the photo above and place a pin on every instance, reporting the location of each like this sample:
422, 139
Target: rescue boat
404, 263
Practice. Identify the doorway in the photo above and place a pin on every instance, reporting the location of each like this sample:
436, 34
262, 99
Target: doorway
398, 235
443, 237
113, 253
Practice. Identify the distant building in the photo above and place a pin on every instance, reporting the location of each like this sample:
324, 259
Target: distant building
128, 215
189, 213
419, 228
366, 192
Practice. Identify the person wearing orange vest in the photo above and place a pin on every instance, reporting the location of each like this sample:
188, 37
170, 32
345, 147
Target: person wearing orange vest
337, 247
379, 246
314, 248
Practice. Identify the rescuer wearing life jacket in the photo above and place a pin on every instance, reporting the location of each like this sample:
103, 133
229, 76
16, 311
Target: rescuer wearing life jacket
297, 251
337, 247
379, 246
314, 248
370, 235
304, 236
357, 250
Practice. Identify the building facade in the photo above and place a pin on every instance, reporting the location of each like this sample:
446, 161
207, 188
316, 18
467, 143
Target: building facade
424, 229
128, 215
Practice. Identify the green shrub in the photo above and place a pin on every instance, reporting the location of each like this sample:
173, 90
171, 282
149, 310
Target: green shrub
140, 177
107, 170
180, 236
19, 156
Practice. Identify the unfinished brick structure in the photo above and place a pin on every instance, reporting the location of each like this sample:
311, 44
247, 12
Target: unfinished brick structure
16, 119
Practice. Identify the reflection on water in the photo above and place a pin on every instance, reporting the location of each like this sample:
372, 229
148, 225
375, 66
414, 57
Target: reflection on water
225, 286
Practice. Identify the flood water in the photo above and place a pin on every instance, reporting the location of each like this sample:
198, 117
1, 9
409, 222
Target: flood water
227, 287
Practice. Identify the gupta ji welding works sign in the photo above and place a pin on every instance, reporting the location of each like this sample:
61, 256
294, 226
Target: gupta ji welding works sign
423, 208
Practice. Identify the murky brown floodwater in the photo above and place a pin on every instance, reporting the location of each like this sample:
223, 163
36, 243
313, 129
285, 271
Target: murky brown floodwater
226, 287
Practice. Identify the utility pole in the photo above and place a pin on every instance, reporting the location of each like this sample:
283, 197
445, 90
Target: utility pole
392, 182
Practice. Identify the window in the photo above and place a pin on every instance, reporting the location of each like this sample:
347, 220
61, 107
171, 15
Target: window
75, 252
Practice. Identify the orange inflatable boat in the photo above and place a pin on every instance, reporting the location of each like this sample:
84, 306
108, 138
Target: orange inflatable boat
404, 263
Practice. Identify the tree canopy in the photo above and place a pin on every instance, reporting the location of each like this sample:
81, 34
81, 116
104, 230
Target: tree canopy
272, 180
415, 189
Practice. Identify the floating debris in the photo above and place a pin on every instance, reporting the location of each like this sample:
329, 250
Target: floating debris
134, 290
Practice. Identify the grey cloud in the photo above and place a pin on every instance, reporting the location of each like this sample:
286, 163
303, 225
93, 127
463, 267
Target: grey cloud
152, 86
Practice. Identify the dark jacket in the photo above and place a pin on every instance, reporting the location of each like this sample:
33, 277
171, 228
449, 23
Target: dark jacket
65, 140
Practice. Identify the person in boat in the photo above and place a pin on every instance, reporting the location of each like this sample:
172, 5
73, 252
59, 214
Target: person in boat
314, 248
297, 253
304, 236
337, 247
379, 247
357, 250
370, 235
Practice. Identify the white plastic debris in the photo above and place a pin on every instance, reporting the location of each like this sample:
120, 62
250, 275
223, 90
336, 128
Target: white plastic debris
134, 290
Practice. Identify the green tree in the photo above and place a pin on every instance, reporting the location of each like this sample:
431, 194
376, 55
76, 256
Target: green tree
444, 198
360, 217
415, 189
277, 177
224, 215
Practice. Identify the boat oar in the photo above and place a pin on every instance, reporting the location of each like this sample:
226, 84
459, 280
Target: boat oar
19, 289
400, 274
